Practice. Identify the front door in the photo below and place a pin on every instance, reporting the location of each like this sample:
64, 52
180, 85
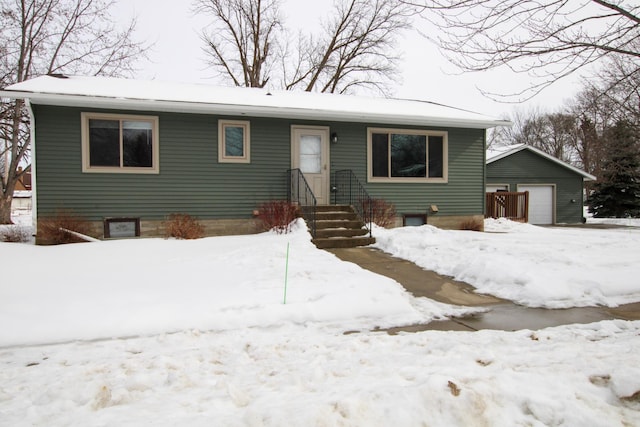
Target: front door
310, 154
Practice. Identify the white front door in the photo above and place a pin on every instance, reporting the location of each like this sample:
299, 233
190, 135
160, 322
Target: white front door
310, 154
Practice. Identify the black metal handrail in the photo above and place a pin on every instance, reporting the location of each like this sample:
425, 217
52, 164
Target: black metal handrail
300, 193
349, 191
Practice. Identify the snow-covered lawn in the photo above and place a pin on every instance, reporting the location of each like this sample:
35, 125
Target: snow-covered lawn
534, 266
201, 334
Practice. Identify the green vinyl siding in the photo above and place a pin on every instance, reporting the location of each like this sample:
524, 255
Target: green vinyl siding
526, 167
191, 180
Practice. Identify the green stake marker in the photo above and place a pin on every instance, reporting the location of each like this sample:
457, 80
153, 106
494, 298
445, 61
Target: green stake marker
286, 275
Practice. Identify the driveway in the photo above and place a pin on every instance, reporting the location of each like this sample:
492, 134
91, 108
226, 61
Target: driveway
500, 314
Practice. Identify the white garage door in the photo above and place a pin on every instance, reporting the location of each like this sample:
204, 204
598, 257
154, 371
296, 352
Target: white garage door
540, 203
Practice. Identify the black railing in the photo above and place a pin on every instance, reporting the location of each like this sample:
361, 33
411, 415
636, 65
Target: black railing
301, 194
349, 191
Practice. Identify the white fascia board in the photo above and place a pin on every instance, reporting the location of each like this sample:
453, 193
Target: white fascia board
86, 101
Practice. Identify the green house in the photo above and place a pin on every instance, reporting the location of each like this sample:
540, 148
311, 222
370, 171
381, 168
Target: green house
128, 152
556, 189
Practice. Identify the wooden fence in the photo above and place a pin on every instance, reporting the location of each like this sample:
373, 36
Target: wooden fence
513, 206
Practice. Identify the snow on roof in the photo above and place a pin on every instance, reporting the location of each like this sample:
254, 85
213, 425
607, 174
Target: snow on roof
497, 153
114, 93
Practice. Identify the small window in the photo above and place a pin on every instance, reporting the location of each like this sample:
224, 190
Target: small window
407, 155
413, 220
233, 142
119, 143
121, 227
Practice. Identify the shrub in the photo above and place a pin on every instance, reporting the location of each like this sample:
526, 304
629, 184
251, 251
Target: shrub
15, 234
183, 226
473, 224
278, 215
383, 213
55, 230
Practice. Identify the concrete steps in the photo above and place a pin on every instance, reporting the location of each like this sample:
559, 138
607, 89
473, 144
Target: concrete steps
339, 226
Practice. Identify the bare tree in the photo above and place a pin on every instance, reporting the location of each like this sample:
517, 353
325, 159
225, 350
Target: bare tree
618, 85
546, 40
241, 41
355, 49
552, 133
47, 37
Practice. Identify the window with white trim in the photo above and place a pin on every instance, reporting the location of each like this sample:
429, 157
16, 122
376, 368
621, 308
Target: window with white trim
234, 141
398, 155
117, 143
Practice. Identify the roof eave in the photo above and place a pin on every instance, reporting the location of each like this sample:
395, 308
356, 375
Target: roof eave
246, 110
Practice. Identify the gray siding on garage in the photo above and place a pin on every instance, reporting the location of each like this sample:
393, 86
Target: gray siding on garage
526, 167
192, 181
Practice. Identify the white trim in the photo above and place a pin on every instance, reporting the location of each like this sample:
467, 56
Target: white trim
426, 180
519, 147
499, 184
155, 159
246, 141
34, 193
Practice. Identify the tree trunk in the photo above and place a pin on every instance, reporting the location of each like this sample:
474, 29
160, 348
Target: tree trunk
5, 203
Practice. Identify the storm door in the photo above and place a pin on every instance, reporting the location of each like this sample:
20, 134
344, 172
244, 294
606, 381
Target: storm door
310, 154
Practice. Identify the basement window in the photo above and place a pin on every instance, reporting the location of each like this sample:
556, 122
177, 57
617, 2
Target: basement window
118, 228
414, 220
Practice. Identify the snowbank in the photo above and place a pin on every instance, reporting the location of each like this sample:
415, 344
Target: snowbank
533, 266
149, 286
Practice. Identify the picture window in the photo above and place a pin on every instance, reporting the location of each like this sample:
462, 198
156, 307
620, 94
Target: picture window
407, 155
119, 143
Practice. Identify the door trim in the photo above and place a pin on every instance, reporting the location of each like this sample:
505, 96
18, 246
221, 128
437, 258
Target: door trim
326, 130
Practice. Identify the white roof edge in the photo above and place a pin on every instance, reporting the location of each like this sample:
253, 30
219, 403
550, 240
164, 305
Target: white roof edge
247, 110
195, 98
586, 176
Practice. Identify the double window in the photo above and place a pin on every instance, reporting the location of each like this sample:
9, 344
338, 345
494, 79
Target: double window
119, 143
233, 141
407, 155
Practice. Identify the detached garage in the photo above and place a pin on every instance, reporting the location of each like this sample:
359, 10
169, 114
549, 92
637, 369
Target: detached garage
555, 188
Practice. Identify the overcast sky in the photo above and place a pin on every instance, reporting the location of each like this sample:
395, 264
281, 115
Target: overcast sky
177, 56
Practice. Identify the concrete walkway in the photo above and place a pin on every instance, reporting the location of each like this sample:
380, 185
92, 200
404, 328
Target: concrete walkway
500, 314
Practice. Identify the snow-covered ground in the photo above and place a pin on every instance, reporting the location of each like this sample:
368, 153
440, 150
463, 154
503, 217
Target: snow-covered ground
534, 266
202, 334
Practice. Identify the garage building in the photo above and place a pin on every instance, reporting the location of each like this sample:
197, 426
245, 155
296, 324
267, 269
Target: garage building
556, 189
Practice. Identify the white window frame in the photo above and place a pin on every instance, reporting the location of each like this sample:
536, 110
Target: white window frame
445, 156
246, 141
155, 155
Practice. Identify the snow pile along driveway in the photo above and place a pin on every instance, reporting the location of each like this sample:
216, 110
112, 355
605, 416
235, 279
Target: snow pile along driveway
533, 266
